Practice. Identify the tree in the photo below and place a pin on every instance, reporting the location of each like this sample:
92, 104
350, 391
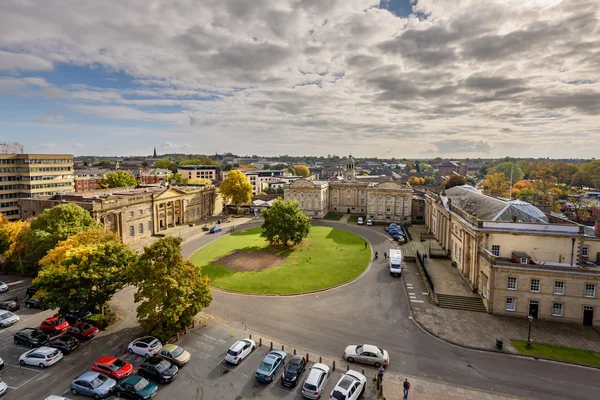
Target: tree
165, 163
429, 180
176, 178
104, 164
199, 181
84, 271
591, 172
171, 290
510, 170
496, 184
9, 232
285, 222
236, 188
120, 179
455, 180
413, 180
291, 170
564, 172
302, 170
543, 179
526, 194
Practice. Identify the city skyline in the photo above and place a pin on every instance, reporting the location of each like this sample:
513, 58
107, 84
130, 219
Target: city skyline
398, 78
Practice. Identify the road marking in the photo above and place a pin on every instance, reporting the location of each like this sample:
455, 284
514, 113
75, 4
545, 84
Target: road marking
416, 301
411, 293
424, 293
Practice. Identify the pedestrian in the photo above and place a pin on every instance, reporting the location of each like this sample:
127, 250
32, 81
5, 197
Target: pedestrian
406, 388
365, 245
376, 255
385, 256
380, 374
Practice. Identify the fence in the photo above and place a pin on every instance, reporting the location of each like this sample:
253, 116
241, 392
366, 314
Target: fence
428, 280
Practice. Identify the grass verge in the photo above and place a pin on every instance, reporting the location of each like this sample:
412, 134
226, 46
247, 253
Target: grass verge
333, 217
561, 353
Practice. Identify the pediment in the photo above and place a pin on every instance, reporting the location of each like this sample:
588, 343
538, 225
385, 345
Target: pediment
302, 183
169, 193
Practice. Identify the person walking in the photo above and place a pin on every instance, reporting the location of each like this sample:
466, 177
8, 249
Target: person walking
376, 255
385, 256
380, 374
365, 245
406, 386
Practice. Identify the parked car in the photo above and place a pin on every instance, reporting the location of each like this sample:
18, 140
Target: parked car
360, 220
83, 330
240, 350
158, 369
7, 318
30, 302
269, 366
3, 387
31, 290
32, 337
146, 346
72, 317
367, 354
113, 367
136, 387
54, 397
174, 354
293, 370
54, 325
3, 287
369, 222
350, 386
215, 229
1, 363
316, 380
42, 357
93, 384
9, 305
392, 226
64, 343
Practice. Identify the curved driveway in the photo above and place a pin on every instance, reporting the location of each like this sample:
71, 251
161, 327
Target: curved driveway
375, 309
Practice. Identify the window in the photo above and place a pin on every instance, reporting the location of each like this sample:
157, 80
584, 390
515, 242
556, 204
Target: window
590, 290
150, 226
512, 283
141, 227
130, 214
535, 285
484, 287
140, 212
585, 250
559, 287
523, 260
131, 231
496, 250
557, 309
148, 210
511, 303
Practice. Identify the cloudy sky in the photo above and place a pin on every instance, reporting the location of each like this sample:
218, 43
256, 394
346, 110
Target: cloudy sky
403, 78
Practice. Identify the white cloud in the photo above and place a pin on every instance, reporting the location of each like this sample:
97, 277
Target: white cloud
45, 146
53, 117
23, 62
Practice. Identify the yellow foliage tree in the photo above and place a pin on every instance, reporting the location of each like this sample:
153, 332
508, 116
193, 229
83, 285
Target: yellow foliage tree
302, 170
236, 188
199, 181
496, 184
9, 232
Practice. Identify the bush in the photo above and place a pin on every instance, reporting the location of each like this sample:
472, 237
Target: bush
102, 321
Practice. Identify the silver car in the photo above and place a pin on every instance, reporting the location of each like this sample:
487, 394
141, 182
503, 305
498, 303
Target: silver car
316, 380
367, 354
8, 318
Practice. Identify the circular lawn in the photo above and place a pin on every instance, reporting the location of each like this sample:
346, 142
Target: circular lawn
244, 262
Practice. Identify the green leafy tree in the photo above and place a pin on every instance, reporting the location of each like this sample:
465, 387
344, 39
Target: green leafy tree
455, 180
120, 179
285, 222
165, 163
176, 178
591, 172
302, 170
508, 168
199, 181
104, 164
429, 180
526, 194
171, 290
291, 170
236, 188
84, 271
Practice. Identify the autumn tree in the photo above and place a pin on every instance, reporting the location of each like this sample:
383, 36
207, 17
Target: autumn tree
285, 222
171, 289
496, 184
591, 172
510, 169
455, 180
199, 181
543, 179
84, 271
120, 179
9, 232
564, 172
302, 170
236, 188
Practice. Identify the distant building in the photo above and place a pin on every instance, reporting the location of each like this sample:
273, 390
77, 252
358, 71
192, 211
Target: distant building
154, 175
211, 172
11, 148
449, 167
260, 179
31, 175
87, 180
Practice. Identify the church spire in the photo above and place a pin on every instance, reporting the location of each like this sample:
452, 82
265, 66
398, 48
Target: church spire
154, 156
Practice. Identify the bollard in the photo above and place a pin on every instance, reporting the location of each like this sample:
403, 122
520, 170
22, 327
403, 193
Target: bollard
259, 342
232, 332
333, 365
306, 357
320, 360
347, 367
250, 336
294, 351
271, 345
363, 371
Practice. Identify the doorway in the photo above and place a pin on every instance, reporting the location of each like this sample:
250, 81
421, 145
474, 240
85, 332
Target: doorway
588, 315
534, 306
348, 211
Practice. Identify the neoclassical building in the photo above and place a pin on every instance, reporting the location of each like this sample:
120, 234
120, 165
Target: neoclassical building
387, 201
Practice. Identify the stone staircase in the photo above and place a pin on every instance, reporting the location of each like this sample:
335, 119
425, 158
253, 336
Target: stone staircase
466, 303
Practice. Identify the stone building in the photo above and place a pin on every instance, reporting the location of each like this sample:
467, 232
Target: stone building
134, 214
520, 260
381, 201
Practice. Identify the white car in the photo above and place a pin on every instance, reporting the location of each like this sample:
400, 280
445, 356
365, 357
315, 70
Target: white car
350, 386
367, 354
369, 222
3, 287
55, 397
146, 346
3, 387
240, 350
42, 357
316, 380
8, 318
360, 220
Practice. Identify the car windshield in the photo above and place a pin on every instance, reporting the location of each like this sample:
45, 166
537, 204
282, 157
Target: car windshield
233, 352
265, 366
338, 395
117, 365
358, 349
292, 367
142, 383
162, 366
98, 381
5, 316
36, 334
58, 322
177, 352
86, 327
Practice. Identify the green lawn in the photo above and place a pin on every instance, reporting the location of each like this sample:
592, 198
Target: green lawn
332, 217
561, 353
327, 258
354, 219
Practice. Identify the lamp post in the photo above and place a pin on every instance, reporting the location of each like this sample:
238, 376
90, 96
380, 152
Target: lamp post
529, 341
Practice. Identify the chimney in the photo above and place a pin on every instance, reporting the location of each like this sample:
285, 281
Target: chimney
597, 228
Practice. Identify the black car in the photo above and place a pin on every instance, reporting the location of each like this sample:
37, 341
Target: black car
31, 290
35, 303
32, 337
9, 305
72, 317
66, 343
293, 370
158, 369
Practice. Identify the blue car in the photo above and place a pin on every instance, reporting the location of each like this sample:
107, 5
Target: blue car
93, 384
215, 229
395, 232
135, 387
270, 365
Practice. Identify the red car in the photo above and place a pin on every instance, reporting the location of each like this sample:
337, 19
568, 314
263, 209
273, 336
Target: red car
113, 367
83, 330
54, 325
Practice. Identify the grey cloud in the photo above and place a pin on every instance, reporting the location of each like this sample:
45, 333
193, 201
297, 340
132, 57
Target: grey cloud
23, 62
585, 102
462, 146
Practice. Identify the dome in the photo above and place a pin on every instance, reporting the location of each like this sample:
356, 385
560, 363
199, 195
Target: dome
350, 158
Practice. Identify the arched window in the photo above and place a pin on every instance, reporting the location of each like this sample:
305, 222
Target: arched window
150, 226
131, 231
141, 228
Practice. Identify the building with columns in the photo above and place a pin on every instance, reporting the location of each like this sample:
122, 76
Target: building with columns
134, 214
520, 260
387, 201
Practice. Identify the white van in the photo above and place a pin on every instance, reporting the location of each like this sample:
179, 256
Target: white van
360, 220
395, 262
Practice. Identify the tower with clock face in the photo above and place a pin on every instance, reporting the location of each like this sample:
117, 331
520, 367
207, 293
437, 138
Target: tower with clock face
350, 170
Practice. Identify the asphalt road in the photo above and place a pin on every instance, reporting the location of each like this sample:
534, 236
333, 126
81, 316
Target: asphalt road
375, 309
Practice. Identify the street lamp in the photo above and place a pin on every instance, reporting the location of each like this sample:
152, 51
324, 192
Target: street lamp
529, 341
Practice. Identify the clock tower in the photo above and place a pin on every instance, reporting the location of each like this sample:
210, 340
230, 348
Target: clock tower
350, 171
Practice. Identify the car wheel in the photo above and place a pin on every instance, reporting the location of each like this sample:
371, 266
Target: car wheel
73, 391
163, 381
377, 365
31, 345
42, 366
16, 341
28, 305
118, 394
97, 396
350, 359
146, 355
130, 351
21, 362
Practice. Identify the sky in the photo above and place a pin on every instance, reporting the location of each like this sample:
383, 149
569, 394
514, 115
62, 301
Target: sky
377, 78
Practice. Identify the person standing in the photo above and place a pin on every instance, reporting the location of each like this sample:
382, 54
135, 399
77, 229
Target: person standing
406, 386
365, 245
385, 256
